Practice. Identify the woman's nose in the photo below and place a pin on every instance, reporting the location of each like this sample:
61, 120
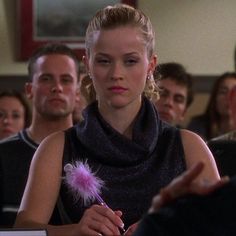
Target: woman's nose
117, 71
7, 119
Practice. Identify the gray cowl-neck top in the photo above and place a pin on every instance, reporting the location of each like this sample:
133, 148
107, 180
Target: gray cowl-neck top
133, 170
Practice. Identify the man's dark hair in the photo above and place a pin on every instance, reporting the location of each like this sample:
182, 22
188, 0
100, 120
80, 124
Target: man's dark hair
176, 72
51, 49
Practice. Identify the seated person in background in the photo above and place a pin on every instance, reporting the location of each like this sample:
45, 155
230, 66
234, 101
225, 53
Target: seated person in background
176, 92
53, 72
224, 146
121, 139
15, 112
231, 135
216, 119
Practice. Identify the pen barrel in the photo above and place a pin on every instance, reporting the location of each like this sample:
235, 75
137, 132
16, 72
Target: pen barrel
101, 201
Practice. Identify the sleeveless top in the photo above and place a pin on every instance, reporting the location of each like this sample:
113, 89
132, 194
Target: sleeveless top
133, 170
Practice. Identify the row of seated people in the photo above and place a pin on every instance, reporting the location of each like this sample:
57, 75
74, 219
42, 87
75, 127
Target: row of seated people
52, 91
223, 146
51, 111
18, 108
176, 95
218, 123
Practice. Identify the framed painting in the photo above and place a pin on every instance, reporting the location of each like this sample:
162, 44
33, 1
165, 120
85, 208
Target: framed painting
64, 21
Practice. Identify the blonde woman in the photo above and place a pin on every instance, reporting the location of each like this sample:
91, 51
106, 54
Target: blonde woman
121, 138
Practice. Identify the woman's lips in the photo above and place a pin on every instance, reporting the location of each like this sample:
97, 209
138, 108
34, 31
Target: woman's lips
117, 89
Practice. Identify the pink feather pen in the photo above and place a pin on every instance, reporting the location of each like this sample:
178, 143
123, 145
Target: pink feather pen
84, 184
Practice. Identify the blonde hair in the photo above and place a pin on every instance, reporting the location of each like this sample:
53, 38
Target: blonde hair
118, 15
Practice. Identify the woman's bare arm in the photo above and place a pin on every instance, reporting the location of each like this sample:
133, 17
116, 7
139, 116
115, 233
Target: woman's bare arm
196, 151
42, 191
44, 181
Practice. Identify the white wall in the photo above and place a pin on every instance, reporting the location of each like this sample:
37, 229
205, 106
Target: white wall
201, 34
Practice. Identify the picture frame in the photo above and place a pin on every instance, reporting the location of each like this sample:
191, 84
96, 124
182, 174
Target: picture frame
43, 21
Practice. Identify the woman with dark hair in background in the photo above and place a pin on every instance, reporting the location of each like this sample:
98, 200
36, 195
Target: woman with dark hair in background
216, 119
15, 113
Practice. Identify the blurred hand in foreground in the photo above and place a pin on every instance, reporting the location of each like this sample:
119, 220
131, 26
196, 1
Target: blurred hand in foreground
180, 186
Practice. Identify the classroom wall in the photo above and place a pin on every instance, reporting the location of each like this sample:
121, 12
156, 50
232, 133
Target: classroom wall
200, 34
197, 33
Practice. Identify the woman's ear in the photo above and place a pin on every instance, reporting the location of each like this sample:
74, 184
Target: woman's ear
152, 64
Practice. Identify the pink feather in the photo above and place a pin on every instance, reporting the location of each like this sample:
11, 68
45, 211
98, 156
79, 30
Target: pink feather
85, 185
83, 182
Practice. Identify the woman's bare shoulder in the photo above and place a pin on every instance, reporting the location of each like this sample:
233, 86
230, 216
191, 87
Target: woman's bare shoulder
189, 137
52, 146
196, 150
193, 144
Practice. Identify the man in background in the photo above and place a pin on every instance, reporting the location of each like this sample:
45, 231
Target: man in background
53, 71
176, 92
223, 146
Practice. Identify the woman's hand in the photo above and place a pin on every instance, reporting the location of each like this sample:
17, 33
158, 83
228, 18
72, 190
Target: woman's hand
99, 220
184, 184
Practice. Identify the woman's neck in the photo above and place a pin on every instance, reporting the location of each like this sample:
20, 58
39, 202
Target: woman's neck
121, 119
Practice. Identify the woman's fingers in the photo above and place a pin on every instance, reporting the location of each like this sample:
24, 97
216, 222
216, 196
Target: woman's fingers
100, 219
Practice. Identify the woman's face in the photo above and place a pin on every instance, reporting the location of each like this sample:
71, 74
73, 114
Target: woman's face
119, 66
12, 116
222, 103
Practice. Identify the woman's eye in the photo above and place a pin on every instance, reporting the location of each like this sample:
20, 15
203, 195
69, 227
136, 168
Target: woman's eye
103, 61
131, 61
2, 115
16, 115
